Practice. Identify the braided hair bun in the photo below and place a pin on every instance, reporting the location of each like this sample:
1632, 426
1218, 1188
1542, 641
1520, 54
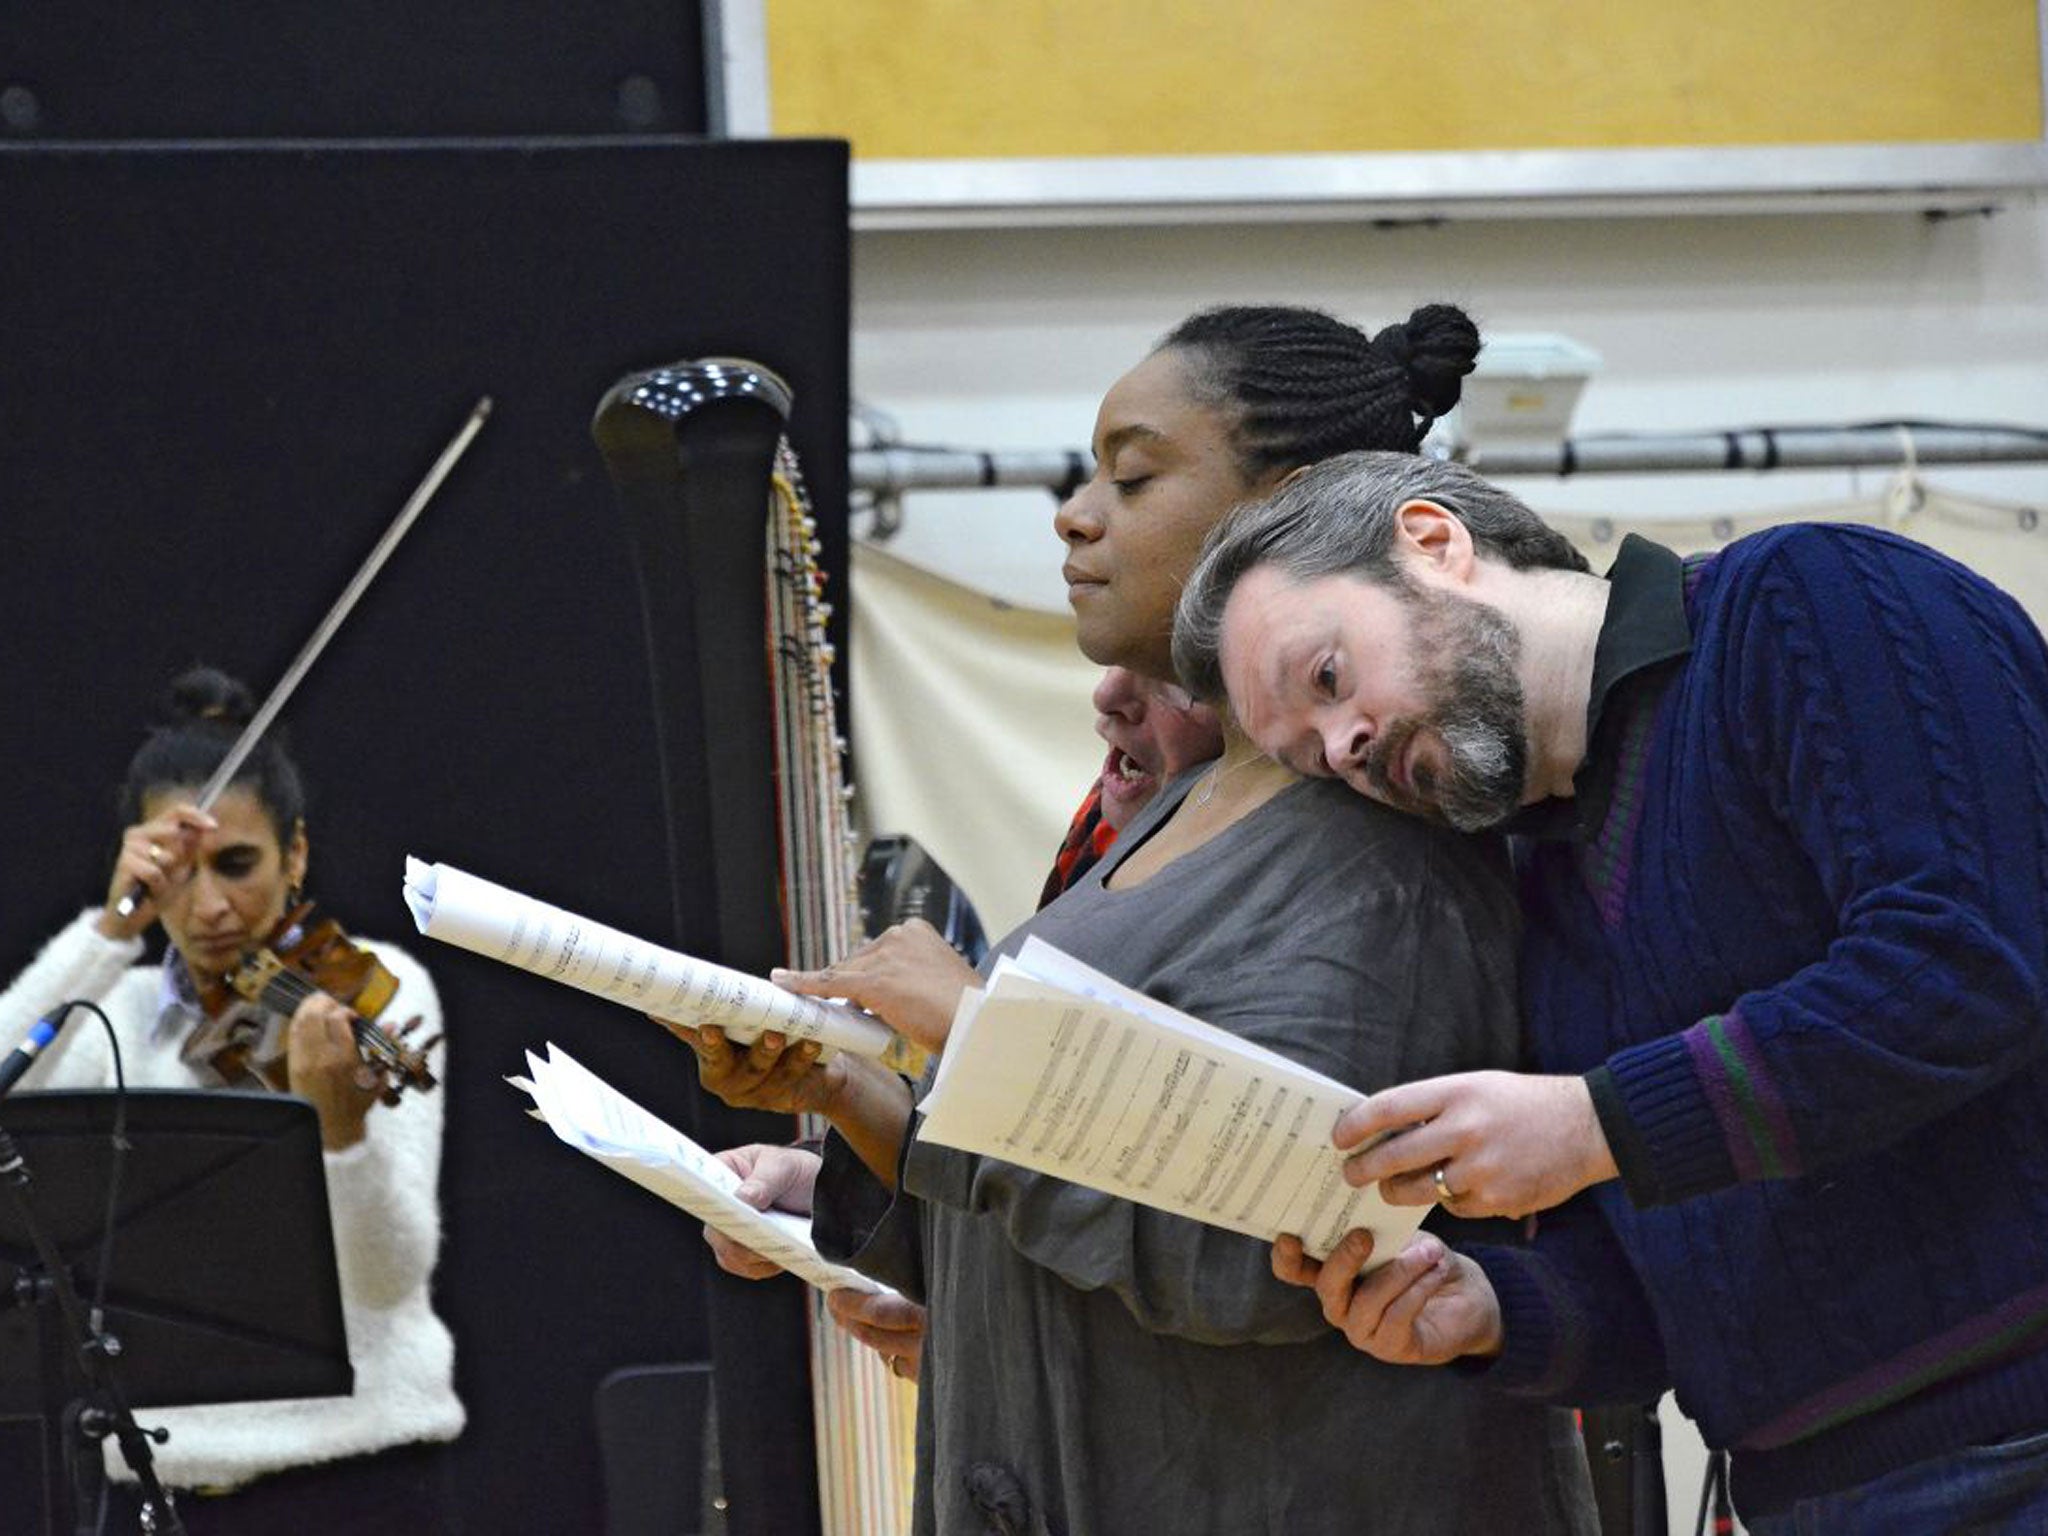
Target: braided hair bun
1435, 347
1304, 385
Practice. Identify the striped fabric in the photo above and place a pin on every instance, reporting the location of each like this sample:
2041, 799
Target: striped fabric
1737, 1082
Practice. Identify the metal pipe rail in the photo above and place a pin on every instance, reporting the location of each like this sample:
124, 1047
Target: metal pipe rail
888, 472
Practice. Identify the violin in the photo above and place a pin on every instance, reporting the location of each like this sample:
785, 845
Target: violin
301, 957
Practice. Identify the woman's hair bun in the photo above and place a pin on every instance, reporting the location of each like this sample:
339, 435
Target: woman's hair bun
1437, 346
209, 694
204, 714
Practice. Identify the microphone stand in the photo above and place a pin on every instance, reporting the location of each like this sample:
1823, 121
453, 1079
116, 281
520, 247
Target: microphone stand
85, 1422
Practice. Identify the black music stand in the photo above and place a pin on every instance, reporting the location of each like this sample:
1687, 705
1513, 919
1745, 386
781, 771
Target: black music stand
221, 1287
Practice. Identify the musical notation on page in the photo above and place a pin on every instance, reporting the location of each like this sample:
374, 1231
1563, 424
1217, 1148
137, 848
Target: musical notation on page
1060, 1069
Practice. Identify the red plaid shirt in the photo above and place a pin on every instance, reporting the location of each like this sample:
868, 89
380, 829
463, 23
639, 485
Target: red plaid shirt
1087, 840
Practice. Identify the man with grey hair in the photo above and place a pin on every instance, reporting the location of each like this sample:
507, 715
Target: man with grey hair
1783, 854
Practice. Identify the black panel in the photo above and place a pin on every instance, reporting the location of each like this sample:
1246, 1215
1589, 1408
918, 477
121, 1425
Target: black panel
224, 370
103, 69
254, 1312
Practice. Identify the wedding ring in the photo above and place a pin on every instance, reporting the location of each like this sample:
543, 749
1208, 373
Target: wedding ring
156, 854
1444, 1193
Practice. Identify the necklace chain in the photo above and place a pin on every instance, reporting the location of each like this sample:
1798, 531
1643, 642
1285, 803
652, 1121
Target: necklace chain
1206, 790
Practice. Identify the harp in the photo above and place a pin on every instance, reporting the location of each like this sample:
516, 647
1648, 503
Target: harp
814, 1431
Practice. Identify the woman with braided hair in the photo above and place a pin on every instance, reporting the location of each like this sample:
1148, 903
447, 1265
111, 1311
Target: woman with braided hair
1092, 1367
1282, 387
1230, 403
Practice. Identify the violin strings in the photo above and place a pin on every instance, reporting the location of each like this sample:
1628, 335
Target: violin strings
286, 990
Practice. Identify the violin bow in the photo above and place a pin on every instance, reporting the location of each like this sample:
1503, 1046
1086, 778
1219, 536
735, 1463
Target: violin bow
259, 722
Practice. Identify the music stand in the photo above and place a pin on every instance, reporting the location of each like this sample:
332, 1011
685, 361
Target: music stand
221, 1286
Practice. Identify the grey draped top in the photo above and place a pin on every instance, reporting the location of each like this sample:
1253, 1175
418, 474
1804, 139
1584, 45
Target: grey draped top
1098, 1368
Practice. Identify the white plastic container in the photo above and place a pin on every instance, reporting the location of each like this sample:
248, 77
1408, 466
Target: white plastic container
1523, 389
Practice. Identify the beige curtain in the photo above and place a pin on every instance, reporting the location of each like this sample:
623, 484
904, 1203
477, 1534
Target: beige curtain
975, 734
972, 727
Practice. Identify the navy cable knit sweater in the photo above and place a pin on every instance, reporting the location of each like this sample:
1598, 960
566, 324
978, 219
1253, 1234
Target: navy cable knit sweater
1804, 958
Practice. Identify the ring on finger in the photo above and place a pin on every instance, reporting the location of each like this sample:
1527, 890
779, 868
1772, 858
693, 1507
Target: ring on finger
156, 854
1444, 1193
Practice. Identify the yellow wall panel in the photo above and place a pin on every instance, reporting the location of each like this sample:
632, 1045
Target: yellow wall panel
934, 79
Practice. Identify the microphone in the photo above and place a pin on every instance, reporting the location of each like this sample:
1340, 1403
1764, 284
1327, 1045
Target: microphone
23, 1056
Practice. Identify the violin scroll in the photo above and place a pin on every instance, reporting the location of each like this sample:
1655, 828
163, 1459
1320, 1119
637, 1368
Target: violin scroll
397, 1062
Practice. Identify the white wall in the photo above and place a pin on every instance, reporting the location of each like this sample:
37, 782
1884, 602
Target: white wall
1006, 340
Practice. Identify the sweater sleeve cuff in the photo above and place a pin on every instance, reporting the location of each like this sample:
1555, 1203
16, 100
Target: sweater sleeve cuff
1540, 1347
129, 949
1631, 1153
98, 958
1665, 1131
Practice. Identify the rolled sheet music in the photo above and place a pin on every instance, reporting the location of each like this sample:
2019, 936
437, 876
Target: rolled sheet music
490, 920
597, 1120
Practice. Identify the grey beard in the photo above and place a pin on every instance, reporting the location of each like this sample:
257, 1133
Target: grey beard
1477, 709
1488, 768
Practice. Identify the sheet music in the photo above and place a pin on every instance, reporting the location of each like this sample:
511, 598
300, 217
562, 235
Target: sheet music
1063, 1070
596, 1119
487, 919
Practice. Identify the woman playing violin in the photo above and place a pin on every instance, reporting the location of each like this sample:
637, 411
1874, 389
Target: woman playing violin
223, 883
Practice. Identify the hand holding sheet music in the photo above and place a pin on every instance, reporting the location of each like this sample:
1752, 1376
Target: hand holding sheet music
1060, 1069
599, 1121
488, 919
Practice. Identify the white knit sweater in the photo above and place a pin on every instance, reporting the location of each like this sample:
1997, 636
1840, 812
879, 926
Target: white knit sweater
383, 1197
